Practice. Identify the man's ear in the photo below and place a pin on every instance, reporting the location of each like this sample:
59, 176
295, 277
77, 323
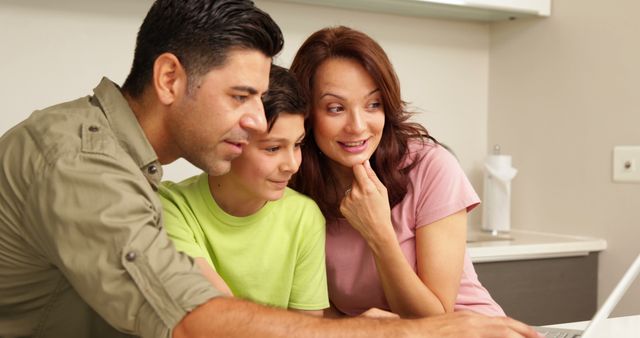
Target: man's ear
169, 78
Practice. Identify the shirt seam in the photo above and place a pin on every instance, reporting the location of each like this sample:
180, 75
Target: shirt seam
49, 307
313, 306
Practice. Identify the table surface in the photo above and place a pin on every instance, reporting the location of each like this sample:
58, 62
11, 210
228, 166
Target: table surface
618, 327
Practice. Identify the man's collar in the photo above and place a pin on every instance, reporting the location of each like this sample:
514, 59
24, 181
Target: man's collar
127, 129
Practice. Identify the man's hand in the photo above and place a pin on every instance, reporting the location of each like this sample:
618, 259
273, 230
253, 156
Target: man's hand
471, 325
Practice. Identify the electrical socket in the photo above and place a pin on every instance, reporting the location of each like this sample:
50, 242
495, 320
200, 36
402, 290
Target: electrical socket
626, 164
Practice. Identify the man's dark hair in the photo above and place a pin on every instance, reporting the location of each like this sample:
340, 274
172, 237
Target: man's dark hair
200, 33
284, 96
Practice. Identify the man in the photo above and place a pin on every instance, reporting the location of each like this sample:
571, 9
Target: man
83, 252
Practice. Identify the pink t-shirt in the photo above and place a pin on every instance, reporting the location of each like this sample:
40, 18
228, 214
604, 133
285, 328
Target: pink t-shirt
438, 188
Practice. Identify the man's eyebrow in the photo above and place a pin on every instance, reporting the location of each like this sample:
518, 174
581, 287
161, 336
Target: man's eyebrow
248, 89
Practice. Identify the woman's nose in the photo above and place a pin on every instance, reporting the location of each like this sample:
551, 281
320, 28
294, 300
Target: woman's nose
356, 123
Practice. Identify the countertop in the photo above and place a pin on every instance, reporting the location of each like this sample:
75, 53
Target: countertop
524, 244
619, 327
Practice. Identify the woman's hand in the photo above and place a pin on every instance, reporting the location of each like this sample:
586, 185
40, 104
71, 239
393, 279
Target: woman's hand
366, 205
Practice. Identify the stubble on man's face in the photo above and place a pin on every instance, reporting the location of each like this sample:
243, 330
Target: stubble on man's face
212, 127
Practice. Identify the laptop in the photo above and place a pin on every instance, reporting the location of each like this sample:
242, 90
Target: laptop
602, 313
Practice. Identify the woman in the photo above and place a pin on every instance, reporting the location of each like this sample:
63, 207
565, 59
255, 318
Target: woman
395, 200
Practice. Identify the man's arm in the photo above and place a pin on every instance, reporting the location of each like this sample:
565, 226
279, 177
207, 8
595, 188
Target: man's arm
98, 223
231, 317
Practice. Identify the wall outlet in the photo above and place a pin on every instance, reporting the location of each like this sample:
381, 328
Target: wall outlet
626, 164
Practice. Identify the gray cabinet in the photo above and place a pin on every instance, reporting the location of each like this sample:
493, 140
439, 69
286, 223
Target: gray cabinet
544, 291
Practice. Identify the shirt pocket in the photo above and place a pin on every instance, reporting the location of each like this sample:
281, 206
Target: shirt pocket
97, 140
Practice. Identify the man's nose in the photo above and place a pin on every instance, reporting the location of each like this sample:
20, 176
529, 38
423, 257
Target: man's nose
254, 119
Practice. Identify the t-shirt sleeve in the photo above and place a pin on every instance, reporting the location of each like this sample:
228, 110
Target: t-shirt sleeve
98, 221
179, 227
309, 288
442, 188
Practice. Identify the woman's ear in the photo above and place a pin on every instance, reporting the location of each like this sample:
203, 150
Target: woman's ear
169, 78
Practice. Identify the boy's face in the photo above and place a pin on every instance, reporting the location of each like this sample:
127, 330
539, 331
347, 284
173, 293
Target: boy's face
270, 159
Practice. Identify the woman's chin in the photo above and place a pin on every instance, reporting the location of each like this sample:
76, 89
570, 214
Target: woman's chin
353, 160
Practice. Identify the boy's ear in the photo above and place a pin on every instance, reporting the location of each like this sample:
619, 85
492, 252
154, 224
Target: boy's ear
169, 78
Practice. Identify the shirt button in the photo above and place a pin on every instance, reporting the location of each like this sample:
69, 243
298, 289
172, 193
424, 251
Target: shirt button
130, 256
152, 169
93, 129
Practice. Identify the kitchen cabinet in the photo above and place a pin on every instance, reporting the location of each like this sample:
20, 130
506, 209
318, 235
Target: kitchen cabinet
539, 278
477, 10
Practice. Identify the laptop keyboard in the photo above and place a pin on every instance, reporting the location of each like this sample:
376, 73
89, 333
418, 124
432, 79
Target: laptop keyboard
558, 334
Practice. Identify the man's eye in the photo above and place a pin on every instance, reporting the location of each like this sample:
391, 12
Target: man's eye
240, 98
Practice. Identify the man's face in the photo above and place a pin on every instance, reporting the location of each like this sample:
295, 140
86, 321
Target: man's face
211, 124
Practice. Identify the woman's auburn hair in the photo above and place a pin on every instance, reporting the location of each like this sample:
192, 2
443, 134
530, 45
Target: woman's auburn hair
314, 178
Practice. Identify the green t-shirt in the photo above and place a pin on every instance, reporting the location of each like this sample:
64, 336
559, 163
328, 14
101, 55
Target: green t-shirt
273, 257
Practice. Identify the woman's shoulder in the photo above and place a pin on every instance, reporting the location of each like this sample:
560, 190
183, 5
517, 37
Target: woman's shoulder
426, 151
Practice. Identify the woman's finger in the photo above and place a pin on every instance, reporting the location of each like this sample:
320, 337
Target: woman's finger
361, 178
372, 176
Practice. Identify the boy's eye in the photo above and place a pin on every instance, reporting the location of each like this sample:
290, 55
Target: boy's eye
272, 149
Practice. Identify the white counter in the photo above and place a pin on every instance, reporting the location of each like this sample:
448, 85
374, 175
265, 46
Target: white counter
529, 245
619, 327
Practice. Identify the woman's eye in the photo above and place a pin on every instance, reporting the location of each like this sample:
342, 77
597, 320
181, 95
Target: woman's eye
298, 144
335, 109
374, 105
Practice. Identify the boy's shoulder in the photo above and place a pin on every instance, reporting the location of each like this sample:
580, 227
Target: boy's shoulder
291, 195
294, 200
180, 190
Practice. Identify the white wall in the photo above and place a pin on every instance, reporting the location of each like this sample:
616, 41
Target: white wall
563, 92
54, 53
57, 52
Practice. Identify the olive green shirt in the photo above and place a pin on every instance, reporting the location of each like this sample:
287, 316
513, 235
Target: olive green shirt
82, 244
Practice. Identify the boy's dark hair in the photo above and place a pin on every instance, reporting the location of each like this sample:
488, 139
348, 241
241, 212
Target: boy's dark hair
200, 33
284, 96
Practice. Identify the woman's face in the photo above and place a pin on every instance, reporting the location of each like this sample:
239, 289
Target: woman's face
347, 112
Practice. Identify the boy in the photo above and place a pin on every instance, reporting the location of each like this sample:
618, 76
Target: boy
264, 239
